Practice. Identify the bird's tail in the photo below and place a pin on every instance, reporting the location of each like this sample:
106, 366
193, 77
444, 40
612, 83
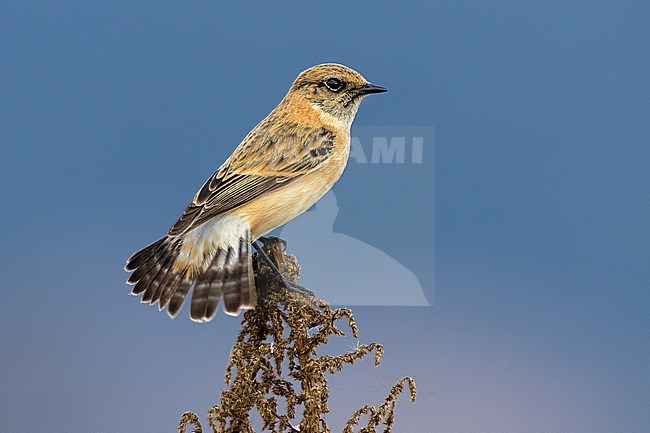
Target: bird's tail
229, 274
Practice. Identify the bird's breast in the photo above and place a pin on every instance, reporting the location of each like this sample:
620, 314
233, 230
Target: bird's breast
275, 208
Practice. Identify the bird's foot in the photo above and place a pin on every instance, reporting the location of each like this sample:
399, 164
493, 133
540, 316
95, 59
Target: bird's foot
268, 247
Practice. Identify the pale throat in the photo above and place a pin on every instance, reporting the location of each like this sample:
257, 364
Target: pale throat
338, 122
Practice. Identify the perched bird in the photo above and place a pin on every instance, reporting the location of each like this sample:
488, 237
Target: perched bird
280, 169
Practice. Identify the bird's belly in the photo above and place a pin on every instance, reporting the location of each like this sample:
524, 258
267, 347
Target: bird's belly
200, 245
282, 205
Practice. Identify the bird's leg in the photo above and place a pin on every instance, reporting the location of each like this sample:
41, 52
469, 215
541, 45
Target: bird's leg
289, 285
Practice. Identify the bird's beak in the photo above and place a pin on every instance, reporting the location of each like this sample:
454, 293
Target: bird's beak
371, 88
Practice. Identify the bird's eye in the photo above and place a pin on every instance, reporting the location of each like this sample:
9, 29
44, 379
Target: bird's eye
334, 84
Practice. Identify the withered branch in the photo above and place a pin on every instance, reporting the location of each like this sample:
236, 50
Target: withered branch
285, 331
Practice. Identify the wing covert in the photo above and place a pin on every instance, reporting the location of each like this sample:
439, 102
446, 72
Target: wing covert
259, 165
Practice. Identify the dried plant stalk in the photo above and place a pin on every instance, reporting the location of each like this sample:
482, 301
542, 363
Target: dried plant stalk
286, 331
189, 418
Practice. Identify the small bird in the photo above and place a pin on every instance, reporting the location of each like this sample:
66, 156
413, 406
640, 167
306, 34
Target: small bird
280, 169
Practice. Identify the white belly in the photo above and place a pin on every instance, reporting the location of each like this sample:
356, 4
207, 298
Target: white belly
200, 244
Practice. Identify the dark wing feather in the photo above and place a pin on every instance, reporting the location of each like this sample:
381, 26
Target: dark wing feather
259, 165
237, 190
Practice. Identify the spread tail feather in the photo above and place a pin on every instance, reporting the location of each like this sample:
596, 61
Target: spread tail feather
152, 270
229, 275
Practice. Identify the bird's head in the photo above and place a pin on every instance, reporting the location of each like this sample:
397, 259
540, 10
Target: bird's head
334, 90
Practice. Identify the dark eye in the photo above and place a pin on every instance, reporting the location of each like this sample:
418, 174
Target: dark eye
334, 84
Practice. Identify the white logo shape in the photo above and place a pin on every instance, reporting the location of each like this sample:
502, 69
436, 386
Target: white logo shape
346, 271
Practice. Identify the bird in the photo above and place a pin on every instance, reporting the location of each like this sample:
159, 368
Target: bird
283, 166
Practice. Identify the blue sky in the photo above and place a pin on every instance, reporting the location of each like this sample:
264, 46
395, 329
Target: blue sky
114, 113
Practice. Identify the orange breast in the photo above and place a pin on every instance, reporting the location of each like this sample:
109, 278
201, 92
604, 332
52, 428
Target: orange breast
274, 209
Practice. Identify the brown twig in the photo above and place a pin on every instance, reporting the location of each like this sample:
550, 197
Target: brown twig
286, 330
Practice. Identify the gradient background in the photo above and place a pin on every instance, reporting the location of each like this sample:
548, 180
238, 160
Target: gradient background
112, 114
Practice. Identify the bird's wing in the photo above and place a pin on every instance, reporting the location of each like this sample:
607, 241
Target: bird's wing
261, 163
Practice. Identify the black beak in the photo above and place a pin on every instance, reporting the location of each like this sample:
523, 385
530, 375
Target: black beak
371, 88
